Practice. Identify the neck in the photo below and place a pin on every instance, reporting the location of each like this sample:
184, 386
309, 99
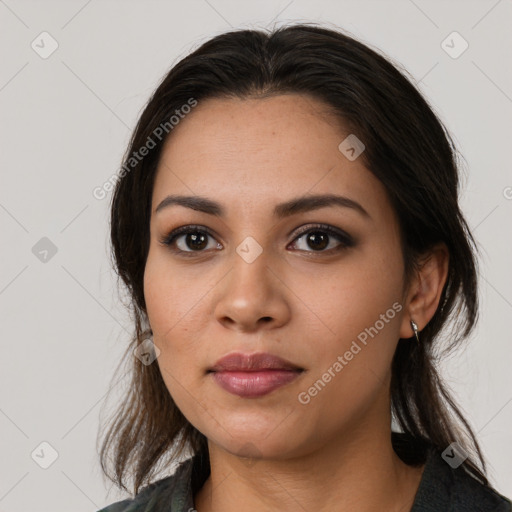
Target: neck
357, 471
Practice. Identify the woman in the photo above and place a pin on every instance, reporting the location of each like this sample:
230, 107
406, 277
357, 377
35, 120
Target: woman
286, 222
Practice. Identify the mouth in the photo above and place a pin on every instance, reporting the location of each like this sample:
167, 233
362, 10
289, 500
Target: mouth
253, 375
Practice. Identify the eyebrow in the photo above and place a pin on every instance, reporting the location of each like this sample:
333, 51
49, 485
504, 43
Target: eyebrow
282, 210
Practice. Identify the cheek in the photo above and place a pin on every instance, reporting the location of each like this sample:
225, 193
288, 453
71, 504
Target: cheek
176, 305
354, 296
360, 311
170, 297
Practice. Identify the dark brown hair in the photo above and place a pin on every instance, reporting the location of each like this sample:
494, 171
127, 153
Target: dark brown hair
407, 149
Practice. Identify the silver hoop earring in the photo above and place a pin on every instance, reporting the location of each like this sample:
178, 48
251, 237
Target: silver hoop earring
415, 329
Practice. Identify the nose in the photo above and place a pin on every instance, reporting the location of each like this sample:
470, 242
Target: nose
252, 296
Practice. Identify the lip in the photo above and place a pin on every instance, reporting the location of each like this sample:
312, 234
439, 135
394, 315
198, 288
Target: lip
258, 361
253, 375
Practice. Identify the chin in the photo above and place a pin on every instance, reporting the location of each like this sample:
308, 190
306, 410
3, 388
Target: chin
255, 444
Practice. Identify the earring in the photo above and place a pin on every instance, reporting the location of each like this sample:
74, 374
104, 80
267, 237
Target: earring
415, 329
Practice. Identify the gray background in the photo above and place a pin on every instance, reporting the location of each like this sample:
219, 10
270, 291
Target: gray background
66, 120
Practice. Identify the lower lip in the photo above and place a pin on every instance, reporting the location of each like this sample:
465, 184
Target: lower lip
254, 384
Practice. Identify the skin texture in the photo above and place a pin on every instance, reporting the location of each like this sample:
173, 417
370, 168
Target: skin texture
304, 304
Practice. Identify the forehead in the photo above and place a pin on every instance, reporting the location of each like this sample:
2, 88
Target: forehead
261, 151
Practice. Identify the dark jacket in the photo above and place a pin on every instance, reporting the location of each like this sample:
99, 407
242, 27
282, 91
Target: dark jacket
442, 488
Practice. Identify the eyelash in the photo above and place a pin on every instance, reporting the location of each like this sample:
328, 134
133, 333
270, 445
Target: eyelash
345, 240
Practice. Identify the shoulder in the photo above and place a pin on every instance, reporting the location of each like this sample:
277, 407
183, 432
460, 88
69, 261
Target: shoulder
471, 495
159, 496
443, 487
453, 489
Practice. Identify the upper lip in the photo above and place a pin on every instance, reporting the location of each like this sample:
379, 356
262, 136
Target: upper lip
252, 362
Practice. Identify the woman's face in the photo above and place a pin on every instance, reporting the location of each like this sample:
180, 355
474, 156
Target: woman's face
257, 282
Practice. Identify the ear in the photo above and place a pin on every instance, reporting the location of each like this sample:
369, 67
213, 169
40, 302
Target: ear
425, 290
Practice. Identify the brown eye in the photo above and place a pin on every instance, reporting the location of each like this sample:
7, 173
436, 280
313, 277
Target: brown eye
188, 239
196, 241
319, 238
